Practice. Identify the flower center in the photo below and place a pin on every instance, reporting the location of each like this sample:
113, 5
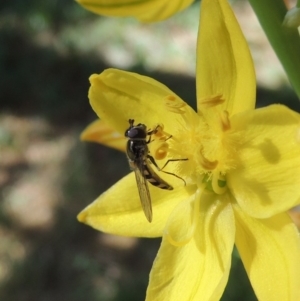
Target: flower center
206, 139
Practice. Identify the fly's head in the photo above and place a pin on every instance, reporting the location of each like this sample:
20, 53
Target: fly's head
136, 132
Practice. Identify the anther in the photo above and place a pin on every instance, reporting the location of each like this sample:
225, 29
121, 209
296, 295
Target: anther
212, 101
225, 122
206, 164
174, 104
159, 149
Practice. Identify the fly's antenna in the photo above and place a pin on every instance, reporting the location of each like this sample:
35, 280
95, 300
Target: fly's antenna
131, 122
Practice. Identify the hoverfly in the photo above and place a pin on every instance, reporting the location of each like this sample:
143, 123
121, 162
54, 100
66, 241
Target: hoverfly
140, 159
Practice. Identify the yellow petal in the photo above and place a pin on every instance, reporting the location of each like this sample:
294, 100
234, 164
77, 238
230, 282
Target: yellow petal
99, 132
266, 180
117, 96
270, 250
143, 10
186, 215
224, 63
199, 269
119, 211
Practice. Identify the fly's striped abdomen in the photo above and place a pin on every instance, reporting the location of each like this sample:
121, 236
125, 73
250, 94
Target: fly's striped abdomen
154, 179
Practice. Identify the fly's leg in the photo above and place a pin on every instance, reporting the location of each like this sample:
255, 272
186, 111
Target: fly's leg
151, 159
155, 131
167, 172
152, 132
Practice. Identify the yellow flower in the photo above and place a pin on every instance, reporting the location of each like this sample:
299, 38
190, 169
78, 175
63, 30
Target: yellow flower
242, 173
143, 10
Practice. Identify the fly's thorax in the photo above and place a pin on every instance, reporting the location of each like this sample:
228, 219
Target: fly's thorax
136, 149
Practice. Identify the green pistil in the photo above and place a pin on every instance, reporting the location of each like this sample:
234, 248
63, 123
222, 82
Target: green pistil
207, 180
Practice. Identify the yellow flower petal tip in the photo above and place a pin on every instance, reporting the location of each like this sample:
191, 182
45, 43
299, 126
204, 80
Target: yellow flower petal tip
94, 78
145, 11
82, 216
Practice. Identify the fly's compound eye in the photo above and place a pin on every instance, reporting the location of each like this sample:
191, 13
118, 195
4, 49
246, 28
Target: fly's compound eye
136, 132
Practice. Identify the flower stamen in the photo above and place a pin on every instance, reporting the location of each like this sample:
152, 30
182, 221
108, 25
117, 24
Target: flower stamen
174, 104
159, 149
207, 164
212, 101
225, 122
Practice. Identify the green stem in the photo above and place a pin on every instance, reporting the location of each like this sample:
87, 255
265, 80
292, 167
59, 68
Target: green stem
285, 41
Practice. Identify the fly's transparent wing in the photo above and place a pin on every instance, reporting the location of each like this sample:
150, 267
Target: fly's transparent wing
143, 189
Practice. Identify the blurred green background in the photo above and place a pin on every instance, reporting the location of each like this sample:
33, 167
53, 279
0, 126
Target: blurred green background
48, 49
